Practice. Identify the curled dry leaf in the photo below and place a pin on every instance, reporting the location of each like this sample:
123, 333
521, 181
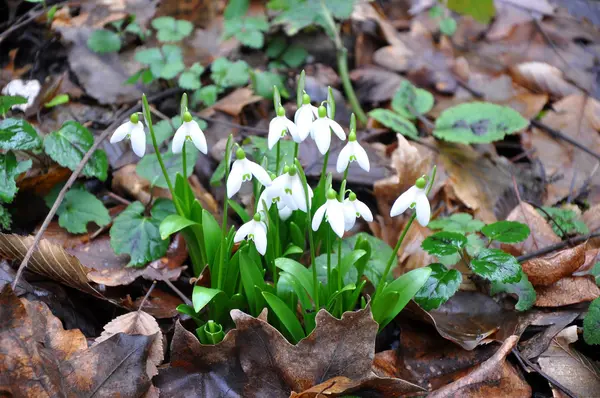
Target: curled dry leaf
541, 234
539, 343
543, 78
234, 103
137, 323
493, 378
568, 290
546, 270
570, 367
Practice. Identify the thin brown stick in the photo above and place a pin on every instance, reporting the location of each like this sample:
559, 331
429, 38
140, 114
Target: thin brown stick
558, 246
559, 135
75, 174
178, 292
147, 295
526, 363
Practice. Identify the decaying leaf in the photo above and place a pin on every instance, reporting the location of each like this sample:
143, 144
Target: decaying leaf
568, 290
543, 78
493, 378
233, 103
570, 367
541, 234
539, 343
546, 270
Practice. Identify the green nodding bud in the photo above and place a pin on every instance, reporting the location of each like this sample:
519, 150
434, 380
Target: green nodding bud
293, 170
305, 99
286, 169
187, 117
134, 118
256, 217
352, 135
421, 182
352, 196
280, 111
322, 111
331, 194
240, 154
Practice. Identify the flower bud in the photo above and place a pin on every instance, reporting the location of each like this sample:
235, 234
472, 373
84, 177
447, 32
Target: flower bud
352, 196
322, 111
134, 118
187, 117
331, 194
293, 170
352, 136
421, 183
305, 99
240, 154
256, 217
280, 111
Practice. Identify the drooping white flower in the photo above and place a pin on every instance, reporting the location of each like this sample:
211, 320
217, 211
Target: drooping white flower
279, 126
352, 152
333, 211
415, 197
271, 195
189, 130
320, 130
304, 117
242, 170
291, 190
134, 130
354, 208
254, 230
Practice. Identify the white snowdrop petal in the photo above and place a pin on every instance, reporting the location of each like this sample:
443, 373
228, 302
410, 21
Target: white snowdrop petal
361, 157
298, 193
349, 215
234, 182
121, 132
243, 232
303, 120
291, 127
318, 217
344, 158
260, 241
422, 208
335, 217
179, 139
285, 213
276, 126
138, 139
197, 136
257, 171
363, 210
322, 135
403, 202
337, 129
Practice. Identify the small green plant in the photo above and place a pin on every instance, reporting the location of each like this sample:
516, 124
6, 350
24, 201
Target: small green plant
564, 222
591, 323
447, 24
462, 241
104, 41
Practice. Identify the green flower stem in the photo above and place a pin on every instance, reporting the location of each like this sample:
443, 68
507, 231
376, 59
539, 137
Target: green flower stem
277, 157
224, 223
184, 158
324, 170
296, 147
148, 117
328, 244
277, 247
340, 302
343, 185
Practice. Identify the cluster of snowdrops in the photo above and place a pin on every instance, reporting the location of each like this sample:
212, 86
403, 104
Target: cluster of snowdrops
288, 211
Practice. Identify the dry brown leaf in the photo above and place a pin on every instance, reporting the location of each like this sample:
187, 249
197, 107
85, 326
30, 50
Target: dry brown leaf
493, 378
342, 387
541, 234
138, 323
546, 270
578, 117
412, 255
568, 290
159, 304
233, 103
570, 367
591, 218
510, 13
543, 78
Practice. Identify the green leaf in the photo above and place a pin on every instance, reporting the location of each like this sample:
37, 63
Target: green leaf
137, 235
474, 245
496, 265
591, 323
236, 9
457, 222
481, 10
251, 278
444, 243
257, 147
149, 167
173, 224
440, 286
276, 47
478, 123
506, 231
171, 29
7, 101
340, 9
201, 296
104, 41
190, 79
9, 171
212, 236
410, 101
207, 94
436, 12
298, 272
148, 56
162, 208
69, 144
298, 16
448, 26
294, 56
595, 272
251, 38
567, 220
19, 135
523, 289
286, 316
395, 122
5, 218
58, 100
229, 74
165, 63
263, 82
79, 208
377, 261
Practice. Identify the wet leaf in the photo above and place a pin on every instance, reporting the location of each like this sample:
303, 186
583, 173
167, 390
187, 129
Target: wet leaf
69, 144
79, 208
496, 265
17, 134
9, 171
444, 243
5, 218
506, 231
523, 289
549, 269
477, 123
568, 290
441, 285
394, 121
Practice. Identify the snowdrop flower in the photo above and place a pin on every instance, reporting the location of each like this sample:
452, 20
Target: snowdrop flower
254, 230
189, 130
271, 195
304, 117
278, 127
352, 152
333, 210
291, 190
354, 208
414, 197
242, 170
320, 130
134, 130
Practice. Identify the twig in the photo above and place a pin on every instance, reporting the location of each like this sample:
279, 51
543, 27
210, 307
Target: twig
119, 198
146, 296
564, 137
557, 246
178, 292
525, 361
74, 176
33, 14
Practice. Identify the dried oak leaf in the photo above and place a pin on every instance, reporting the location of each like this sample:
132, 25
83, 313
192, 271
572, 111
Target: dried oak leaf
541, 234
568, 290
546, 270
493, 378
40, 359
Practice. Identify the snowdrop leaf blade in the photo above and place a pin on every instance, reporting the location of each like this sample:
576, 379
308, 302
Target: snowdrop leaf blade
286, 316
